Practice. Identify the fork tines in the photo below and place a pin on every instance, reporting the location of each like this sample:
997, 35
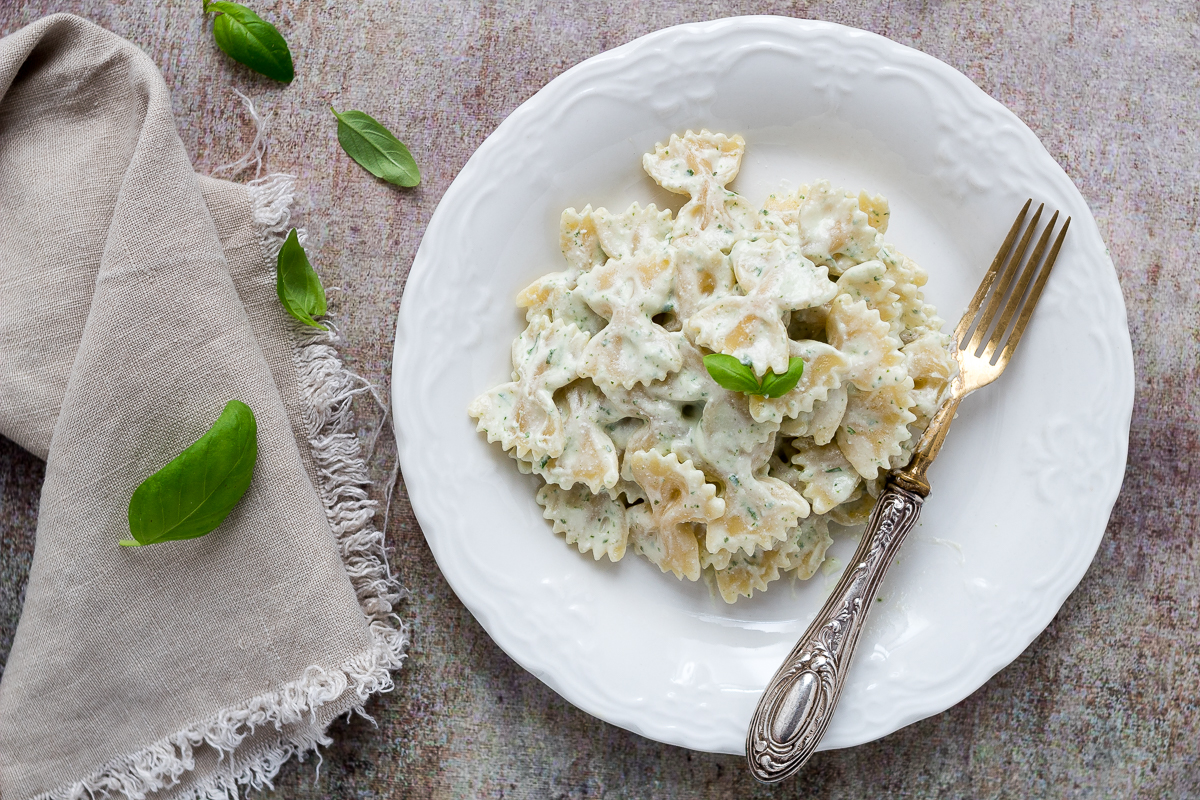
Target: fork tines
1007, 290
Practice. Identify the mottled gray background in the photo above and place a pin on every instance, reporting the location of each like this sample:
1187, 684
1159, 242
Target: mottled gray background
1103, 704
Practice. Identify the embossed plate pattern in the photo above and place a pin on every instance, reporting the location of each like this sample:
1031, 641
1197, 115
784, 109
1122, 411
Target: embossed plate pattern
1021, 493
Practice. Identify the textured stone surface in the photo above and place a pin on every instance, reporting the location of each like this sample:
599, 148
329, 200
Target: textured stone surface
1103, 704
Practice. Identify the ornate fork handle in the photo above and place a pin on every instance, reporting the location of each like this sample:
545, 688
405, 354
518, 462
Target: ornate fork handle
798, 702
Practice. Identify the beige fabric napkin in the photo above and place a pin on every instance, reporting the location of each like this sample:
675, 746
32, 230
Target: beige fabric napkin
138, 299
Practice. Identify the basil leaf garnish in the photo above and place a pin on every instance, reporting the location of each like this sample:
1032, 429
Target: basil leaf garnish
731, 373
193, 494
778, 385
297, 285
738, 377
375, 148
251, 40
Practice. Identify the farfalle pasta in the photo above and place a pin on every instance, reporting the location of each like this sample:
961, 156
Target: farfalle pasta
638, 447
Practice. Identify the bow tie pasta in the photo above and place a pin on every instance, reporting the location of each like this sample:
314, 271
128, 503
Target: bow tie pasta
611, 405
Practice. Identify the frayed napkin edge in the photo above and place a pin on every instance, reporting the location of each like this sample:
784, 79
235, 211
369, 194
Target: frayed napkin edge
326, 390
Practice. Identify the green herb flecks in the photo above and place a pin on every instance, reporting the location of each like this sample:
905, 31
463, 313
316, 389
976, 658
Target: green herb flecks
195, 492
297, 285
738, 377
249, 39
375, 148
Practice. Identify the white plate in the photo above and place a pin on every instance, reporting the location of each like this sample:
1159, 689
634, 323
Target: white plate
1022, 490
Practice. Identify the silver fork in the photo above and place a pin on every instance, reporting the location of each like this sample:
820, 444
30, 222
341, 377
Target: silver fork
798, 703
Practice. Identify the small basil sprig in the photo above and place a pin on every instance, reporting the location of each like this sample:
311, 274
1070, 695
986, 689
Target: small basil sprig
249, 39
297, 285
193, 494
375, 148
738, 377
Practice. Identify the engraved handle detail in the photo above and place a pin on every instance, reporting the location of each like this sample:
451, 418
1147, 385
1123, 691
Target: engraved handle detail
798, 703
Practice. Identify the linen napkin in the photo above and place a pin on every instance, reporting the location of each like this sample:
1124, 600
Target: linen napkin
140, 298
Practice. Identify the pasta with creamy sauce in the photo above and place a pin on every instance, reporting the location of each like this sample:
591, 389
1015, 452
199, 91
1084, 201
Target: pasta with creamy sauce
611, 405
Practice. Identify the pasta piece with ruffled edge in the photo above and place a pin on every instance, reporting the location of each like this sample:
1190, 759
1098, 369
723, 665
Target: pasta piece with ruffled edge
633, 231
780, 466
750, 327
718, 560
870, 282
811, 540
670, 409
866, 340
832, 227
589, 456
690, 383
694, 163
877, 210
801, 553
915, 315
907, 446
824, 367
784, 207
759, 511
855, 511
834, 231
631, 349
594, 523
932, 367
522, 414
735, 450
554, 295
827, 479
822, 422
875, 425
700, 165
645, 540
703, 275
747, 572
631, 491
667, 428
776, 218
629, 290
579, 239
727, 433
677, 496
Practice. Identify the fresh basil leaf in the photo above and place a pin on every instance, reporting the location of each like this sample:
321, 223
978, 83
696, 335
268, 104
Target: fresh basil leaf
732, 374
375, 148
778, 385
296, 283
249, 39
193, 494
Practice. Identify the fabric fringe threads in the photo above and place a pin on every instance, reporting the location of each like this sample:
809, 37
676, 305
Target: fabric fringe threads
327, 390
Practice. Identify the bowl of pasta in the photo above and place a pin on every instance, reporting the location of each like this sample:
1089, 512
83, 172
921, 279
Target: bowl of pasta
799, 198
